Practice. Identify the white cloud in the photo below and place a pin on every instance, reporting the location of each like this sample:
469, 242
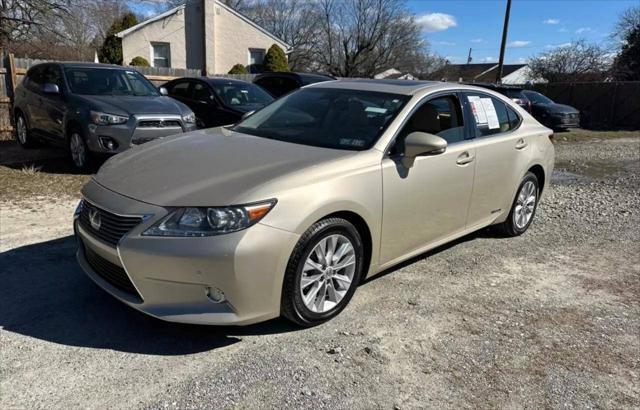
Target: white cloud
443, 43
562, 30
518, 43
477, 40
433, 22
551, 21
523, 60
583, 30
488, 60
558, 45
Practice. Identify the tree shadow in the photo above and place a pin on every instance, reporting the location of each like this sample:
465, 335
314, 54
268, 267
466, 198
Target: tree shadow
45, 295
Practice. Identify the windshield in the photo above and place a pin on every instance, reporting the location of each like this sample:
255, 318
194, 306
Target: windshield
325, 117
108, 81
241, 96
538, 98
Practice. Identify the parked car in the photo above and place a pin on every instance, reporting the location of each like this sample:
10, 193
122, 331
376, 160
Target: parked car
553, 115
283, 212
218, 101
279, 83
94, 108
515, 93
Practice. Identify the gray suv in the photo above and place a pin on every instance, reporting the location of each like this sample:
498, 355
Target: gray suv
94, 109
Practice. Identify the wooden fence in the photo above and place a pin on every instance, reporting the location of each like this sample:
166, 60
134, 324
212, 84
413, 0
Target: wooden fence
611, 105
12, 70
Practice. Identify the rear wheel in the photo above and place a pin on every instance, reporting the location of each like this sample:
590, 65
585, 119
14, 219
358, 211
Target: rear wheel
523, 208
22, 132
323, 272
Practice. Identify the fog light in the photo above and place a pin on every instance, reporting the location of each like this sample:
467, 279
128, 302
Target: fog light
215, 295
108, 143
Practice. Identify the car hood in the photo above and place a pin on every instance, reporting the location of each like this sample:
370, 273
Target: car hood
557, 108
138, 105
213, 167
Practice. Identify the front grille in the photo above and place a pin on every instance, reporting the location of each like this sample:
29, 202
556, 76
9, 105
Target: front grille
159, 124
111, 228
111, 273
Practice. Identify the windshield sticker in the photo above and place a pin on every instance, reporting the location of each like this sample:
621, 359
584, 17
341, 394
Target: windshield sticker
352, 142
376, 110
490, 110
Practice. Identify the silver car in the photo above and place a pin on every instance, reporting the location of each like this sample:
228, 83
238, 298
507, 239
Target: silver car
288, 211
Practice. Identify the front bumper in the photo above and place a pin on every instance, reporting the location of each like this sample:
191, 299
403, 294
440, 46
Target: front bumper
138, 130
172, 276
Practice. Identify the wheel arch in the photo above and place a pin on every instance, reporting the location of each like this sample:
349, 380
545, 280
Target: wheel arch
365, 234
538, 171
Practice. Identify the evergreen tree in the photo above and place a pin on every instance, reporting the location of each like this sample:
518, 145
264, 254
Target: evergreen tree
111, 50
275, 59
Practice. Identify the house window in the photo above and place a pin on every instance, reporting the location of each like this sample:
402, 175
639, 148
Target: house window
161, 54
256, 56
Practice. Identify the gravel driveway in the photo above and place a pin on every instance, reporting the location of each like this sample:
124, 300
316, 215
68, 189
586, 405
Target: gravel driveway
549, 319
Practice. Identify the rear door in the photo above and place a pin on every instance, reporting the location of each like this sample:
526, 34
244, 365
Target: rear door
428, 202
501, 152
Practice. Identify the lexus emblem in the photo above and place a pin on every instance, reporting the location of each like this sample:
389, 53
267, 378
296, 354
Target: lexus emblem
161, 123
94, 218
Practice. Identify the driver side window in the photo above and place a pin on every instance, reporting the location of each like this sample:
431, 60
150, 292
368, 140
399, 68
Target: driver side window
441, 116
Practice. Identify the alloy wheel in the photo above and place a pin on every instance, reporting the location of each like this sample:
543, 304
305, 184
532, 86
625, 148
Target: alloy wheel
525, 204
21, 127
78, 151
328, 273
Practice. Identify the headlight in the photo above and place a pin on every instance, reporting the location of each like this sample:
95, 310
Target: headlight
210, 221
78, 210
102, 118
189, 118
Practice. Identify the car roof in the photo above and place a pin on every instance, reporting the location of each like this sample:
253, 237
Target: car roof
80, 64
497, 86
406, 87
213, 80
295, 75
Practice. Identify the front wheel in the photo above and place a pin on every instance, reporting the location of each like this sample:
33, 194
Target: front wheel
22, 132
80, 155
523, 208
323, 272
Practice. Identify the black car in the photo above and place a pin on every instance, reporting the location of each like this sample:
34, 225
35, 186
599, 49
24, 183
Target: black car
516, 94
218, 101
279, 83
550, 114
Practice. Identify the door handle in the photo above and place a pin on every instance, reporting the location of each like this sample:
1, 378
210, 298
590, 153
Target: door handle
465, 158
521, 144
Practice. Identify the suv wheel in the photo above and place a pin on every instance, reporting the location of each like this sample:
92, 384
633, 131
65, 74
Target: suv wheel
78, 150
22, 132
323, 272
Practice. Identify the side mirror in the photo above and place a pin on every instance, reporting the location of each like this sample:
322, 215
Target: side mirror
163, 91
421, 143
49, 88
246, 114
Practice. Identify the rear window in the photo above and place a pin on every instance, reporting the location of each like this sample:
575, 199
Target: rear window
514, 94
491, 115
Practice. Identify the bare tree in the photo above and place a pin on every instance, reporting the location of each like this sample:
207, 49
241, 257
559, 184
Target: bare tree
21, 18
627, 22
579, 61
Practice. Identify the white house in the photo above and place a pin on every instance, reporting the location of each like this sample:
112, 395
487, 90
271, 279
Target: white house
201, 34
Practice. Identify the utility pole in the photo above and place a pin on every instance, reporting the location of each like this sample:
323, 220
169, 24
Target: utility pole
505, 29
469, 58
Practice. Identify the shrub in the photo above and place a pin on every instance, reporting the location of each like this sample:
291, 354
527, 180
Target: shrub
275, 59
238, 69
139, 62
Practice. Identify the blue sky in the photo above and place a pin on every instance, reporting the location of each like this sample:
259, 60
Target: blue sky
452, 26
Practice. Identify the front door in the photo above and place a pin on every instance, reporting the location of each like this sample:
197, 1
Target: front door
52, 105
428, 202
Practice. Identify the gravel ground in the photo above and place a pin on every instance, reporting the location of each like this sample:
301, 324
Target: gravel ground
549, 319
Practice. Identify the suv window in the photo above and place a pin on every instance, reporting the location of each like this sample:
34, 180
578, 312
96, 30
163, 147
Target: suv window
201, 93
52, 75
33, 80
180, 89
277, 86
490, 114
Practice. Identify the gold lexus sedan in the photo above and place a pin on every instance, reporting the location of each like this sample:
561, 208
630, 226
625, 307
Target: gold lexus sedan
286, 212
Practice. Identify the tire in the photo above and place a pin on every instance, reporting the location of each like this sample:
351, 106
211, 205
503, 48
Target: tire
78, 151
335, 233
516, 224
23, 135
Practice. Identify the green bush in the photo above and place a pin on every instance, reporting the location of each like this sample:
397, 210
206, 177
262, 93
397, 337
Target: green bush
275, 59
139, 62
238, 69
111, 50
